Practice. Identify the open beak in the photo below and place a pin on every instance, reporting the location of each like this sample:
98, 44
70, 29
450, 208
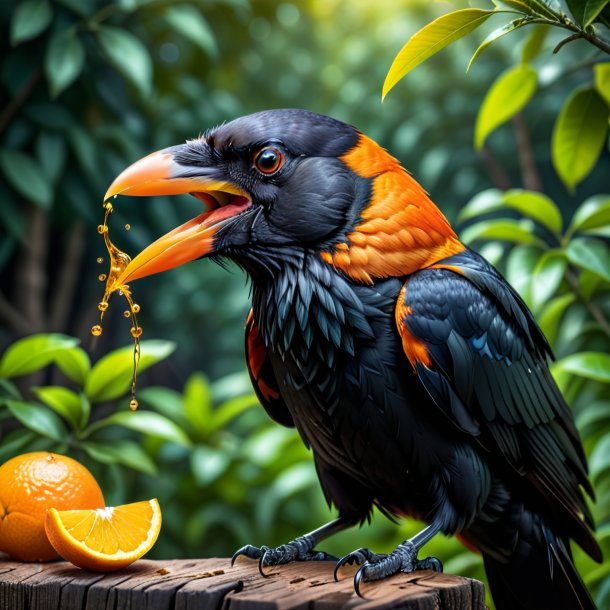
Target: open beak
160, 174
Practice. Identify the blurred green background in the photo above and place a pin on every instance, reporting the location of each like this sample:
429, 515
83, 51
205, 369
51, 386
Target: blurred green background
89, 86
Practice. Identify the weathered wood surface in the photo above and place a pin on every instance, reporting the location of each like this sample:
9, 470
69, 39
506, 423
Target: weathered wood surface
211, 584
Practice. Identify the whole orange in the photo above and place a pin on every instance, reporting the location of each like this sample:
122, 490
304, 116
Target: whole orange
29, 485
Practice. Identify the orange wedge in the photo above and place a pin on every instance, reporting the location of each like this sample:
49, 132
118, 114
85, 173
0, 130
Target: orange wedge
104, 539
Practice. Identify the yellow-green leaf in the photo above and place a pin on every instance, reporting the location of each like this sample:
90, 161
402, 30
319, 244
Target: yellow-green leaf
431, 39
505, 29
512, 90
602, 79
579, 135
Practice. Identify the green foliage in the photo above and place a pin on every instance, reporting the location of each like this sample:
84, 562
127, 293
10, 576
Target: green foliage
582, 125
507, 96
579, 135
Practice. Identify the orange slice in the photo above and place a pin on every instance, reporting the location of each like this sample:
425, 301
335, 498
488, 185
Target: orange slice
104, 539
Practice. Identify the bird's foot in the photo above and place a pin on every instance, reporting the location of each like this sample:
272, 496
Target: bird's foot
300, 549
375, 567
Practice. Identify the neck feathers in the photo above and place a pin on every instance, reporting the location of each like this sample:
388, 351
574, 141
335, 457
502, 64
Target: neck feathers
400, 230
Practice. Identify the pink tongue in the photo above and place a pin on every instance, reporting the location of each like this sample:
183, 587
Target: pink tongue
231, 209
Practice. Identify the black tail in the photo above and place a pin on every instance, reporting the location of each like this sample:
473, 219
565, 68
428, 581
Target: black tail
540, 575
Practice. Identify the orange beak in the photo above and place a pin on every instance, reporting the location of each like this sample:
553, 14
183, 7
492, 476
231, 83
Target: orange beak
160, 174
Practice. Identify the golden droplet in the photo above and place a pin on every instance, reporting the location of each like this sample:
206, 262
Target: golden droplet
102, 305
96, 330
136, 332
133, 405
127, 227
108, 206
135, 308
101, 277
102, 228
126, 313
100, 259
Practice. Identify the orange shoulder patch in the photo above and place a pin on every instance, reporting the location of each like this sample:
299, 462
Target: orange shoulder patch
415, 349
400, 231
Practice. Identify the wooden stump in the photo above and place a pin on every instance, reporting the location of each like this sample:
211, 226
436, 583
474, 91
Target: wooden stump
211, 584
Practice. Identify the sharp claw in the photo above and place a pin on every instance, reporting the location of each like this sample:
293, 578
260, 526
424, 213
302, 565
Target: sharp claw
261, 563
358, 579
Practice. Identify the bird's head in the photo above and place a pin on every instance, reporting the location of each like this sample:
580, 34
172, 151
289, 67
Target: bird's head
281, 181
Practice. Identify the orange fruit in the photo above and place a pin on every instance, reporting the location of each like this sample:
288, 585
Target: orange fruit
29, 485
104, 539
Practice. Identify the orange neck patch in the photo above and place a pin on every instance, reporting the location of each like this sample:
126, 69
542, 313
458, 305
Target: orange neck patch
401, 229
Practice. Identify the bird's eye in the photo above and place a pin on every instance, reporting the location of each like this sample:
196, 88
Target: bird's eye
268, 160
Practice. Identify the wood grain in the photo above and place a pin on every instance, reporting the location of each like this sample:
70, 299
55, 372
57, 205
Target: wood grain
211, 584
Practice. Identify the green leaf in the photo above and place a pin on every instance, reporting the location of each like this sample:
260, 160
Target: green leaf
591, 365
505, 29
534, 43
111, 376
594, 417
74, 364
29, 20
165, 400
127, 453
535, 205
188, 20
207, 464
63, 401
592, 213
586, 11
431, 39
591, 254
579, 135
146, 422
231, 409
529, 7
26, 177
128, 55
601, 72
198, 403
519, 269
38, 419
14, 442
509, 94
516, 231
51, 154
547, 277
550, 317
489, 200
32, 353
599, 462
64, 61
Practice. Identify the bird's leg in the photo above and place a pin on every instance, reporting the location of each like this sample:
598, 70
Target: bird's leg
299, 549
402, 559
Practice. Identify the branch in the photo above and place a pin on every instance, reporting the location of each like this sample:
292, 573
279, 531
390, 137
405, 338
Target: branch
530, 176
495, 170
31, 270
20, 99
13, 319
567, 40
65, 283
594, 310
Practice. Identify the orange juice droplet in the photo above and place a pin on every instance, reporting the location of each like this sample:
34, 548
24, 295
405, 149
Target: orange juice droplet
96, 330
118, 262
101, 277
127, 227
100, 260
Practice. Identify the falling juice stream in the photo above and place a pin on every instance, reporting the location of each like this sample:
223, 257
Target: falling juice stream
118, 261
